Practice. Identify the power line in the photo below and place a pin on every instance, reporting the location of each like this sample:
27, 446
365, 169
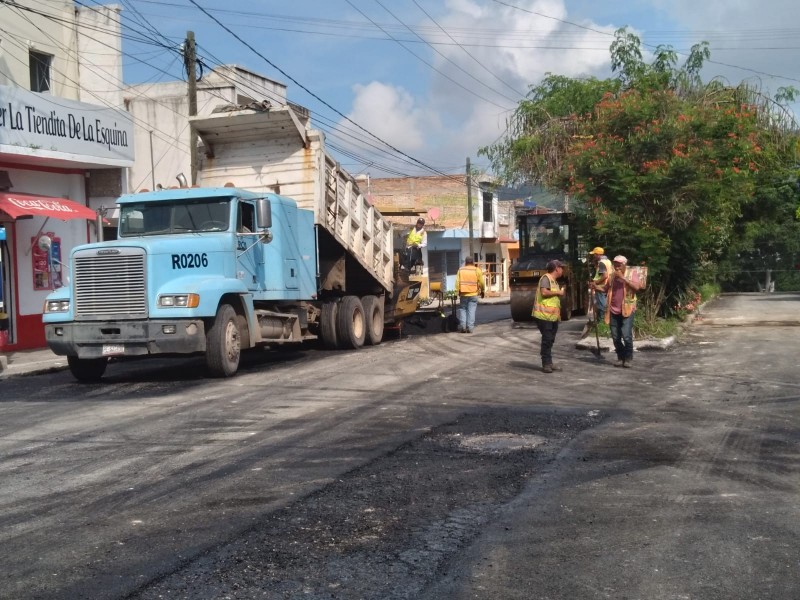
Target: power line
312, 94
479, 63
571, 23
455, 64
466, 89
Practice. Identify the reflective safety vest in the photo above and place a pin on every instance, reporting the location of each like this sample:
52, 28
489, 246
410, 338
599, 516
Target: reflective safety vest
414, 237
609, 269
628, 300
469, 280
547, 309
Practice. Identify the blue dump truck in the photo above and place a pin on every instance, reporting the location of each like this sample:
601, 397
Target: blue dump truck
219, 269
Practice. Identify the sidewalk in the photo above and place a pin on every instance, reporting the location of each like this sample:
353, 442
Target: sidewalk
26, 362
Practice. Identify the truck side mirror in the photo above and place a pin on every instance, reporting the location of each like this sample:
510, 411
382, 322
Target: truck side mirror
264, 213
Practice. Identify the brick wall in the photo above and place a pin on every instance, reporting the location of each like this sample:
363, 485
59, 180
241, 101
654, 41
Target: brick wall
448, 194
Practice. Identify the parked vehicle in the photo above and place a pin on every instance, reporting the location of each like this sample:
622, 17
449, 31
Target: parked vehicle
545, 235
216, 270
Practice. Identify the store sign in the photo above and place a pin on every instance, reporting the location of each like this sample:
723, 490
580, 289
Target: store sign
48, 124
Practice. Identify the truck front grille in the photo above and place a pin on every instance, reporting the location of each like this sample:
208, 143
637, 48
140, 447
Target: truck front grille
110, 283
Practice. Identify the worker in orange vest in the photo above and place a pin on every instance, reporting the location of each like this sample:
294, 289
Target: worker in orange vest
469, 283
621, 306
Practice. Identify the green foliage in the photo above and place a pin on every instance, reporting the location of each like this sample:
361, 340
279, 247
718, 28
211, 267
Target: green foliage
767, 236
657, 328
541, 126
662, 167
643, 328
709, 291
788, 281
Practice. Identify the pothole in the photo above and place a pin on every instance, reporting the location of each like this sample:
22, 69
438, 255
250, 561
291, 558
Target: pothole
499, 442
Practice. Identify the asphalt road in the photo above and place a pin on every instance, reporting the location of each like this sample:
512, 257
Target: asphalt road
434, 466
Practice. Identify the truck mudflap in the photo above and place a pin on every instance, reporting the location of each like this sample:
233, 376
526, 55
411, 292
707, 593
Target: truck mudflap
98, 339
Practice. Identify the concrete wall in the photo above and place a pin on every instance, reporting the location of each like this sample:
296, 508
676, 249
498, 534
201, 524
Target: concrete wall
25, 31
99, 47
161, 113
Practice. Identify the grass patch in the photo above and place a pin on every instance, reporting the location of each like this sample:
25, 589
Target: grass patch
658, 328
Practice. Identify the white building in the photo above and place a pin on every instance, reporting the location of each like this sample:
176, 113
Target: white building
161, 119
65, 140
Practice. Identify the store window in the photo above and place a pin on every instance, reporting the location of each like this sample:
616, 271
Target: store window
40, 71
488, 215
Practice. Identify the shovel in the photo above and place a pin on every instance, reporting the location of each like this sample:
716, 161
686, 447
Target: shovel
596, 351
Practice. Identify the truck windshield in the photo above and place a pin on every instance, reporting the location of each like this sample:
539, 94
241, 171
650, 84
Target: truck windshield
543, 234
160, 218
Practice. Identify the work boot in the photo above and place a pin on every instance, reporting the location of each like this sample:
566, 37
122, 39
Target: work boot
547, 369
556, 368
628, 363
619, 363
469, 330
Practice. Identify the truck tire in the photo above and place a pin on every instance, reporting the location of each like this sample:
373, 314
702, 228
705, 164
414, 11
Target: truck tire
327, 324
87, 369
351, 324
373, 311
223, 343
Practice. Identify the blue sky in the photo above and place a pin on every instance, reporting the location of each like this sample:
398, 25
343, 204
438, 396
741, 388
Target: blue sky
433, 80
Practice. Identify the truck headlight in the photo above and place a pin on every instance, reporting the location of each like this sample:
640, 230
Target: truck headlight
179, 300
54, 306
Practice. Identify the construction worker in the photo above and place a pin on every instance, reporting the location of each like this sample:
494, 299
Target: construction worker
416, 240
469, 283
547, 311
599, 283
622, 287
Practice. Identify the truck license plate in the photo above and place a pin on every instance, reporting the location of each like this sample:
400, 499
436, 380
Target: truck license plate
113, 349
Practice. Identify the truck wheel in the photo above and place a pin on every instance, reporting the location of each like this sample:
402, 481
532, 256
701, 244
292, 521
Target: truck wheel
87, 369
351, 326
373, 311
223, 344
327, 324
522, 305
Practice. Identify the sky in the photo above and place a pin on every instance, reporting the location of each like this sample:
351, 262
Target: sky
416, 87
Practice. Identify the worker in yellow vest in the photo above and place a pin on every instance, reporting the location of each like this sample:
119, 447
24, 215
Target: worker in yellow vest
547, 311
599, 283
469, 284
622, 287
416, 240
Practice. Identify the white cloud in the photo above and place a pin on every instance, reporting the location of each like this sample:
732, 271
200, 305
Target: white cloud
745, 37
503, 51
390, 113
448, 113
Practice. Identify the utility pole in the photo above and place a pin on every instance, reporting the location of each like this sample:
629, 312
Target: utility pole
190, 63
469, 210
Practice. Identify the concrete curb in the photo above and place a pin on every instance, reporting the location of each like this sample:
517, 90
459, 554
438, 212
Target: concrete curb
607, 345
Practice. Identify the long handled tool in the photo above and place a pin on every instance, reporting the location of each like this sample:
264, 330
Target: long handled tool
596, 351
